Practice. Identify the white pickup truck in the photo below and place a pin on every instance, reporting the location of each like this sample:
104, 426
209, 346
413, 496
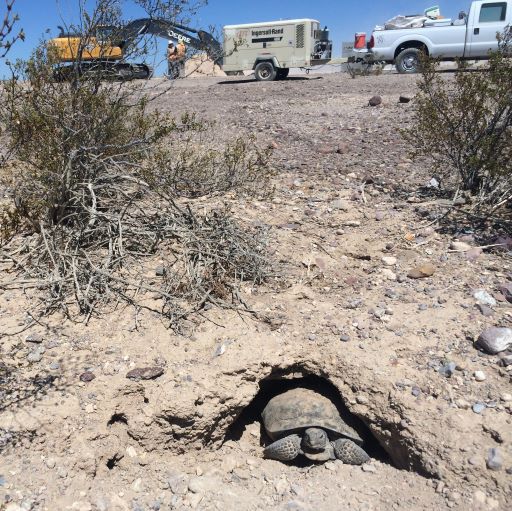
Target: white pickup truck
469, 37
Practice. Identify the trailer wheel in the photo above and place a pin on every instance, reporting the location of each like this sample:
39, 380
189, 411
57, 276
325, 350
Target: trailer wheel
265, 72
408, 61
282, 73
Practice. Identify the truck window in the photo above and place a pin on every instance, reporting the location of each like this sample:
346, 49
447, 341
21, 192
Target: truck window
497, 11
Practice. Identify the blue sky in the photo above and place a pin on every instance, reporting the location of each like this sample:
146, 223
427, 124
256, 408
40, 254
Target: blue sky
343, 17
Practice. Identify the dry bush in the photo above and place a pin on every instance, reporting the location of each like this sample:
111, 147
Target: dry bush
98, 187
8, 35
465, 126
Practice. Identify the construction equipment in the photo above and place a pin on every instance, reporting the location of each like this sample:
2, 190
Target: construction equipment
105, 50
270, 49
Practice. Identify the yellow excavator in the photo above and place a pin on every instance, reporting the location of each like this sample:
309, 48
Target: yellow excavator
105, 51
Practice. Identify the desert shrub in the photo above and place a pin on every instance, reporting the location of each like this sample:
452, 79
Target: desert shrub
8, 34
98, 187
465, 126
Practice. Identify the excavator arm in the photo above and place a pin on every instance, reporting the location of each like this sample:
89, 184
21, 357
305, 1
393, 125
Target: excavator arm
198, 39
105, 52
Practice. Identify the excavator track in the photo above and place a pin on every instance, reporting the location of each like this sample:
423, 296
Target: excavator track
107, 70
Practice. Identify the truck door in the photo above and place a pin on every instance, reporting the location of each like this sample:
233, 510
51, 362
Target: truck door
486, 20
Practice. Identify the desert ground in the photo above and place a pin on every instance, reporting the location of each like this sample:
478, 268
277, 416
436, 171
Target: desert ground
350, 223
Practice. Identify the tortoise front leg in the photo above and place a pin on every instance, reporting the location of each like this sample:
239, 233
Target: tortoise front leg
284, 449
349, 452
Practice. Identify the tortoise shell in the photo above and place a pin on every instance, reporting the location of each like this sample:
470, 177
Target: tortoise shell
299, 409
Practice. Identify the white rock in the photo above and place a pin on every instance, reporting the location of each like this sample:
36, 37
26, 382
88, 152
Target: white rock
506, 397
390, 275
132, 453
480, 376
50, 462
369, 468
484, 298
389, 261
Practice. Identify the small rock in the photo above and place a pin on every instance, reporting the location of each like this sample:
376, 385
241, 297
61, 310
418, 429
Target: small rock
87, 376
494, 459
505, 397
145, 373
433, 183
375, 101
50, 462
494, 340
389, 274
447, 369
506, 291
389, 261
362, 399
367, 467
352, 223
160, 271
345, 338
485, 310
404, 99
478, 407
132, 453
480, 376
484, 298
380, 215
423, 271
34, 338
34, 357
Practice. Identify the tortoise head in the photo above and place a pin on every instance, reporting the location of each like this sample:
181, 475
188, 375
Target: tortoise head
315, 439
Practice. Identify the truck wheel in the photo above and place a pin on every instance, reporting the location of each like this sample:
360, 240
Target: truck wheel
265, 72
408, 61
282, 73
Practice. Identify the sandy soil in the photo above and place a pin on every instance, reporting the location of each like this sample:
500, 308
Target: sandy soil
349, 219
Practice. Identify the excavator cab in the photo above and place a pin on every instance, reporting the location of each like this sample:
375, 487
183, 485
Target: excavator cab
67, 46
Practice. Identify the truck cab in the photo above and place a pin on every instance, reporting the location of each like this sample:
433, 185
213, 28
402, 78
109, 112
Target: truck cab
472, 36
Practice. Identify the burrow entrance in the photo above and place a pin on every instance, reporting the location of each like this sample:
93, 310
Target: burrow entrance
277, 384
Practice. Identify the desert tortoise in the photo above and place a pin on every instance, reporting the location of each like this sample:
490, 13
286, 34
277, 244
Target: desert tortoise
301, 421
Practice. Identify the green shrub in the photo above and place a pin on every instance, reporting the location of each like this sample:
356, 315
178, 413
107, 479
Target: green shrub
465, 125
